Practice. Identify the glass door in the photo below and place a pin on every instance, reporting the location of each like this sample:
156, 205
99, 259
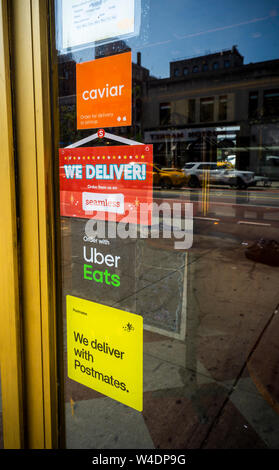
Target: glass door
168, 188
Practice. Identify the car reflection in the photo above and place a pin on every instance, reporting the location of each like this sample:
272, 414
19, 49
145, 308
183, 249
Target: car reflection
221, 175
167, 178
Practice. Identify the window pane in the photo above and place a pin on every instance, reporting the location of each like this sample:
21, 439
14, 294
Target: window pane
189, 165
209, 307
271, 102
253, 104
165, 114
223, 104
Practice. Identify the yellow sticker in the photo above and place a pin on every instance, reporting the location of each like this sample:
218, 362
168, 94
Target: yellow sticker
105, 350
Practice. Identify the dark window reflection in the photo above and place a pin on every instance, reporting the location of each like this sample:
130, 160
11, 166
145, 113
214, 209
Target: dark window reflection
165, 114
253, 104
192, 111
271, 103
223, 103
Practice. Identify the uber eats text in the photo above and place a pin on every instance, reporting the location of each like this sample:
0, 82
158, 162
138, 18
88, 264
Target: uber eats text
129, 172
92, 256
86, 353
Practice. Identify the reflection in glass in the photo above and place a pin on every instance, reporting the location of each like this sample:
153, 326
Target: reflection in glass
223, 103
192, 111
271, 103
210, 110
1, 419
253, 104
207, 109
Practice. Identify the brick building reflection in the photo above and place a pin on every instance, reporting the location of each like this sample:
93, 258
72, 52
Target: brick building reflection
211, 108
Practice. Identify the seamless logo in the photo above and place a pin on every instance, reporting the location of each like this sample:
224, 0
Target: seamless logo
103, 202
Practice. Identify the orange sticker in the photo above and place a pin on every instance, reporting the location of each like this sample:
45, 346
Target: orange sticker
104, 92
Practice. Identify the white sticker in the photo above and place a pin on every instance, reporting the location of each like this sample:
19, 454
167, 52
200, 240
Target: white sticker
87, 21
113, 203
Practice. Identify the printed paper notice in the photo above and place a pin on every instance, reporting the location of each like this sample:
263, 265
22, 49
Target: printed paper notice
105, 350
87, 21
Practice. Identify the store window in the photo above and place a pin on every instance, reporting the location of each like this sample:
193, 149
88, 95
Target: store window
169, 315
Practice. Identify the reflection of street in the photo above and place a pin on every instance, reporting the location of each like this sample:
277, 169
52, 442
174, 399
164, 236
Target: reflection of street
253, 196
259, 206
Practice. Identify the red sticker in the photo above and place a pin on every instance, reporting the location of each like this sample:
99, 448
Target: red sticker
107, 183
101, 133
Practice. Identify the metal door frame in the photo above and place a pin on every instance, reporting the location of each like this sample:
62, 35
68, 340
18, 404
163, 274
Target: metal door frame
29, 275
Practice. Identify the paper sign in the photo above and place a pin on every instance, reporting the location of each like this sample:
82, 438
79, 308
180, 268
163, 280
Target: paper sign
87, 21
105, 350
107, 182
104, 92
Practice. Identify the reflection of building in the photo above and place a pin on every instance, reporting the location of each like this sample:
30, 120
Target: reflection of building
212, 107
140, 82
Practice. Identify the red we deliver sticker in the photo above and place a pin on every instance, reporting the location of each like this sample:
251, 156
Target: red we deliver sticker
107, 183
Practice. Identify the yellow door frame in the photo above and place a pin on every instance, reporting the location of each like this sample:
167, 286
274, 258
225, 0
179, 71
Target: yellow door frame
10, 318
29, 354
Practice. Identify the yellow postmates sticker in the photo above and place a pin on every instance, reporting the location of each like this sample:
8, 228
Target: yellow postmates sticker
105, 350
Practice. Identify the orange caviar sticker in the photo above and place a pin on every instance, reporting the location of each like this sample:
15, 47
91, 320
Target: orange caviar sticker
104, 92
